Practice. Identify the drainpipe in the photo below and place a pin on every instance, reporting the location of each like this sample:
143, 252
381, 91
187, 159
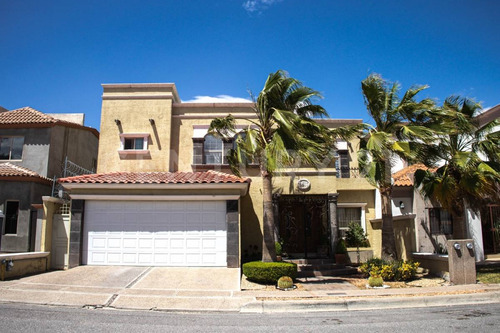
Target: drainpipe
2, 216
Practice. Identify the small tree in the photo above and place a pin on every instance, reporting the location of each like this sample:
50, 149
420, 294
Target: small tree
355, 236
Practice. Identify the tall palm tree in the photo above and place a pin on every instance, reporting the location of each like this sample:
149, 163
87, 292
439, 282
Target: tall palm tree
284, 133
401, 127
468, 160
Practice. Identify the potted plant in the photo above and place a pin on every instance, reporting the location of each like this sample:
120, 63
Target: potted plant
279, 251
355, 236
341, 252
323, 247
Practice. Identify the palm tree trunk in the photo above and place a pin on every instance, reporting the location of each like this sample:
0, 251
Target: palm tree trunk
388, 239
268, 246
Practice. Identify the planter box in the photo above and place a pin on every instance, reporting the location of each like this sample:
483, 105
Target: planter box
437, 264
365, 253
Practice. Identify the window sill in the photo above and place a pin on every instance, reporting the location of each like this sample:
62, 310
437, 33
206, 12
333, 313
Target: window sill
133, 152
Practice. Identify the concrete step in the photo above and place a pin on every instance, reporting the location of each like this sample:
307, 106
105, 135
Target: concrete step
330, 272
316, 261
316, 267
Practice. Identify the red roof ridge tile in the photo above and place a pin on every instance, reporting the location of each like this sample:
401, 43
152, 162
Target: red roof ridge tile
157, 177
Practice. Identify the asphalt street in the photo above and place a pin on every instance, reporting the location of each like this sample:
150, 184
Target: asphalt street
34, 318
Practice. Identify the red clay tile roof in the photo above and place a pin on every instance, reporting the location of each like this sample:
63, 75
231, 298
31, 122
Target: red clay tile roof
12, 170
209, 176
32, 117
404, 177
26, 115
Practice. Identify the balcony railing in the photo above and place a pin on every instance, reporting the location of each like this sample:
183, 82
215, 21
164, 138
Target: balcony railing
347, 172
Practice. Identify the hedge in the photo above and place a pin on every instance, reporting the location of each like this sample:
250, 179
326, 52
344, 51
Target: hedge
268, 272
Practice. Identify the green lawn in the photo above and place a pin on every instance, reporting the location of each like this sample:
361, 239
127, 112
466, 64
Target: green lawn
488, 274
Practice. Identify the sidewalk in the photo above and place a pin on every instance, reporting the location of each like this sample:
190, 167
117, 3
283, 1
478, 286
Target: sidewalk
139, 293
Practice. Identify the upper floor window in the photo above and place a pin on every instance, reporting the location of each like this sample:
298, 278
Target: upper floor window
11, 215
11, 148
342, 164
134, 143
440, 221
211, 150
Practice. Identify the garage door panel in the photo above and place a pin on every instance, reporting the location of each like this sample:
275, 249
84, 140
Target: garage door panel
155, 233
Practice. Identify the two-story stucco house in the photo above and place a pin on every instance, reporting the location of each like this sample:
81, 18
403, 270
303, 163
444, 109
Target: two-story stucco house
33, 147
163, 194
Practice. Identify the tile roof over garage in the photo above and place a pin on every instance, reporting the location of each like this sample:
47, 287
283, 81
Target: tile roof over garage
10, 171
404, 177
208, 177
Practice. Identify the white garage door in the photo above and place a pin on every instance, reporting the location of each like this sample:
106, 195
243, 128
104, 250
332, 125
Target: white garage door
159, 233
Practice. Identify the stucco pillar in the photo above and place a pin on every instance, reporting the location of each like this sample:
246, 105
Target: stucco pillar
50, 206
233, 233
75, 232
332, 217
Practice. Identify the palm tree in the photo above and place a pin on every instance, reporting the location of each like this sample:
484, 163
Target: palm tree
282, 134
401, 127
468, 161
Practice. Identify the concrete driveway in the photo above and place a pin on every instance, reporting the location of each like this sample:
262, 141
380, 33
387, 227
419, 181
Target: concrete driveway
130, 277
130, 287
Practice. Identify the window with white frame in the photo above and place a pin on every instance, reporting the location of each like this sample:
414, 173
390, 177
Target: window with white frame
11, 215
134, 143
11, 148
347, 213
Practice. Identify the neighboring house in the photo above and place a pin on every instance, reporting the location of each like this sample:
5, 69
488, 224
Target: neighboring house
164, 195
33, 148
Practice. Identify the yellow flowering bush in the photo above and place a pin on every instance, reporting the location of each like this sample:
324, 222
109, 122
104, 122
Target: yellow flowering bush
390, 271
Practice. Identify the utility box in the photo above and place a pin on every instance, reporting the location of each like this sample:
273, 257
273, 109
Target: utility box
461, 261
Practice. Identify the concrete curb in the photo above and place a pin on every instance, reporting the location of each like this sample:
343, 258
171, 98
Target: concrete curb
369, 303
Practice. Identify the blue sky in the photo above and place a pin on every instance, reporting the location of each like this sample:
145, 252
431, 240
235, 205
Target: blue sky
54, 55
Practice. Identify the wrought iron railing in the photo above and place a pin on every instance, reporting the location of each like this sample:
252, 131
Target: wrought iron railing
347, 172
69, 169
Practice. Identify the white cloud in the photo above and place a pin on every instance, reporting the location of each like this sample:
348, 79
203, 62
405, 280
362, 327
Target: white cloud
257, 6
218, 99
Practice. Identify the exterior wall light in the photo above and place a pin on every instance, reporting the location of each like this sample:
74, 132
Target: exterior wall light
152, 122
401, 205
118, 122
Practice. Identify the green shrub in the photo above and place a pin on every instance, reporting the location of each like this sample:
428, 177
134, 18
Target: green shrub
269, 272
390, 271
285, 282
355, 236
279, 248
341, 248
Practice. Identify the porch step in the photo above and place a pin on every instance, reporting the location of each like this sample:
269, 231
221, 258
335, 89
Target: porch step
321, 267
316, 261
332, 272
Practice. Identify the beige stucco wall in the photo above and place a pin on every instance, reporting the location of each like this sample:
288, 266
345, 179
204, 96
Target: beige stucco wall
133, 106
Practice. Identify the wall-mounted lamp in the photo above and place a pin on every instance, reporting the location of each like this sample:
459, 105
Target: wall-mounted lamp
118, 122
152, 122
401, 205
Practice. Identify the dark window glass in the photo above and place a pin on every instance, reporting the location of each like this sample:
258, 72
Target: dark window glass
440, 221
134, 144
11, 148
342, 164
11, 214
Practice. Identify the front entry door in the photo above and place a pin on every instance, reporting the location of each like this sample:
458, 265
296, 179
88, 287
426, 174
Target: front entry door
303, 225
